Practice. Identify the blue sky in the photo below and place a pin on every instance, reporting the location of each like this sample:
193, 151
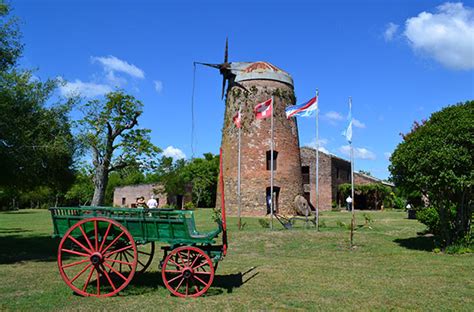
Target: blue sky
399, 60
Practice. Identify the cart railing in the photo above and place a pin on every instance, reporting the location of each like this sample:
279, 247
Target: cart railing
145, 225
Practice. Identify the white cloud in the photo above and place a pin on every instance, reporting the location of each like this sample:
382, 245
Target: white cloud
359, 152
387, 155
158, 85
447, 35
174, 153
390, 31
322, 143
113, 64
334, 116
357, 123
86, 89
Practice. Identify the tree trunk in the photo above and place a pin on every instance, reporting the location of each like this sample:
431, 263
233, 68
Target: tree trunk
101, 179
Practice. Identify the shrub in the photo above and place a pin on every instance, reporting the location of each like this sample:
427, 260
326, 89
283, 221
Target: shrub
189, 206
429, 216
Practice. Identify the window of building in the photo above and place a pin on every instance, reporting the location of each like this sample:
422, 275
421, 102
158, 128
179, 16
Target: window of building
269, 160
337, 173
305, 174
124, 201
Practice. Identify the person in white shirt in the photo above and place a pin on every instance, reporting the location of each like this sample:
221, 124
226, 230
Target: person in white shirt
152, 203
349, 203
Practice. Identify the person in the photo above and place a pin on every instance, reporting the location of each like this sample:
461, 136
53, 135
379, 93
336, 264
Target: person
349, 203
152, 203
269, 204
141, 202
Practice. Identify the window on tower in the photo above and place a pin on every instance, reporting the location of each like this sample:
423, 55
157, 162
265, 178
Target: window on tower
269, 160
305, 174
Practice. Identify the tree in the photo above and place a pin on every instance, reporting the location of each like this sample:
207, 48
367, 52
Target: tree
203, 173
436, 159
36, 144
109, 130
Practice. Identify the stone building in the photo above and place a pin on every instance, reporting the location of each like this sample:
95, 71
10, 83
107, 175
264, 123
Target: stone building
126, 196
333, 171
252, 83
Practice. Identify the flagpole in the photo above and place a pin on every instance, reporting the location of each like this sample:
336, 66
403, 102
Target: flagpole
317, 161
271, 170
239, 225
352, 180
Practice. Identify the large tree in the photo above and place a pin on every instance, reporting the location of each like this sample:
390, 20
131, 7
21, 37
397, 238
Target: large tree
110, 130
437, 159
36, 144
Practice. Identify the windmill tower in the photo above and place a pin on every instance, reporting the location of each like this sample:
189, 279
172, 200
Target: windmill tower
250, 83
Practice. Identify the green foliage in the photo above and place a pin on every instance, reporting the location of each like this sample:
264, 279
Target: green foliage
429, 216
189, 206
436, 159
200, 173
375, 193
36, 144
82, 190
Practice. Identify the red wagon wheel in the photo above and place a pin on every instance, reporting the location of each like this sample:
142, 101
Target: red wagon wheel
187, 272
145, 257
86, 257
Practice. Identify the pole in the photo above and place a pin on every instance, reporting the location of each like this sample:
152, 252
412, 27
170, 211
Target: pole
238, 175
317, 161
352, 181
271, 169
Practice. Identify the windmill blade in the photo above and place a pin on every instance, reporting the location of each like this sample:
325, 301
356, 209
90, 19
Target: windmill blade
218, 66
226, 53
223, 87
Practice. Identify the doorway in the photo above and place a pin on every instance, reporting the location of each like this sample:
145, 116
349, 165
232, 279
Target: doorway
276, 194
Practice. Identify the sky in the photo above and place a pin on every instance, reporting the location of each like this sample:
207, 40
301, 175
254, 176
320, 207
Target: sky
400, 61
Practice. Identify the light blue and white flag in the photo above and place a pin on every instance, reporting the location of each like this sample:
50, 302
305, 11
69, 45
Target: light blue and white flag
348, 132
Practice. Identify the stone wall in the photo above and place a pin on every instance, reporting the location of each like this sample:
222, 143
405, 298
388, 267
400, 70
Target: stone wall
125, 196
333, 171
255, 142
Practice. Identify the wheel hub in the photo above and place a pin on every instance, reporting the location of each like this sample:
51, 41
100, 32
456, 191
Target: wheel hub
187, 272
96, 258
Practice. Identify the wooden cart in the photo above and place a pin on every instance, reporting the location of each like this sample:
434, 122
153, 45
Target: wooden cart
102, 248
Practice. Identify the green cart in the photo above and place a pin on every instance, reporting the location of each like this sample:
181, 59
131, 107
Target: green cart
102, 248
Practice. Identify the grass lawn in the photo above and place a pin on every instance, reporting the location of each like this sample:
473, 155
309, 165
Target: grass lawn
391, 269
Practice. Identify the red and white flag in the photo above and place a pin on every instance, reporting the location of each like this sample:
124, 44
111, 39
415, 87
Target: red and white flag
264, 109
237, 120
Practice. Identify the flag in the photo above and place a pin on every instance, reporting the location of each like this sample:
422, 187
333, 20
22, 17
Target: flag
237, 120
264, 109
348, 132
303, 110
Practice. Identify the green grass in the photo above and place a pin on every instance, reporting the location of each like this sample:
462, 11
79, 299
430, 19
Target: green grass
390, 269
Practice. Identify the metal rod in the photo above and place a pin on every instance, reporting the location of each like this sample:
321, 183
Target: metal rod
352, 180
238, 174
271, 168
317, 160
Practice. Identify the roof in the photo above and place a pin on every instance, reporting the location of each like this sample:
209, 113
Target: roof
259, 71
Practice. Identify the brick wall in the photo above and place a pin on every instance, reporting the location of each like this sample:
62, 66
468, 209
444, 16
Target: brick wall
125, 196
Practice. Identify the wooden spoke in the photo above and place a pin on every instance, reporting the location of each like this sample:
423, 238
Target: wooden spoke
118, 250
113, 242
88, 279
75, 252
115, 271
86, 238
104, 239
80, 245
80, 273
108, 278
75, 263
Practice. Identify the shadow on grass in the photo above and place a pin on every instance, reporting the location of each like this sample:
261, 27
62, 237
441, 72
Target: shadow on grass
150, 281
17, 248
423, 243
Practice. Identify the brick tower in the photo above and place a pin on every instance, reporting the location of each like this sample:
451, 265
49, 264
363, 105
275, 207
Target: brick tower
249, 84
